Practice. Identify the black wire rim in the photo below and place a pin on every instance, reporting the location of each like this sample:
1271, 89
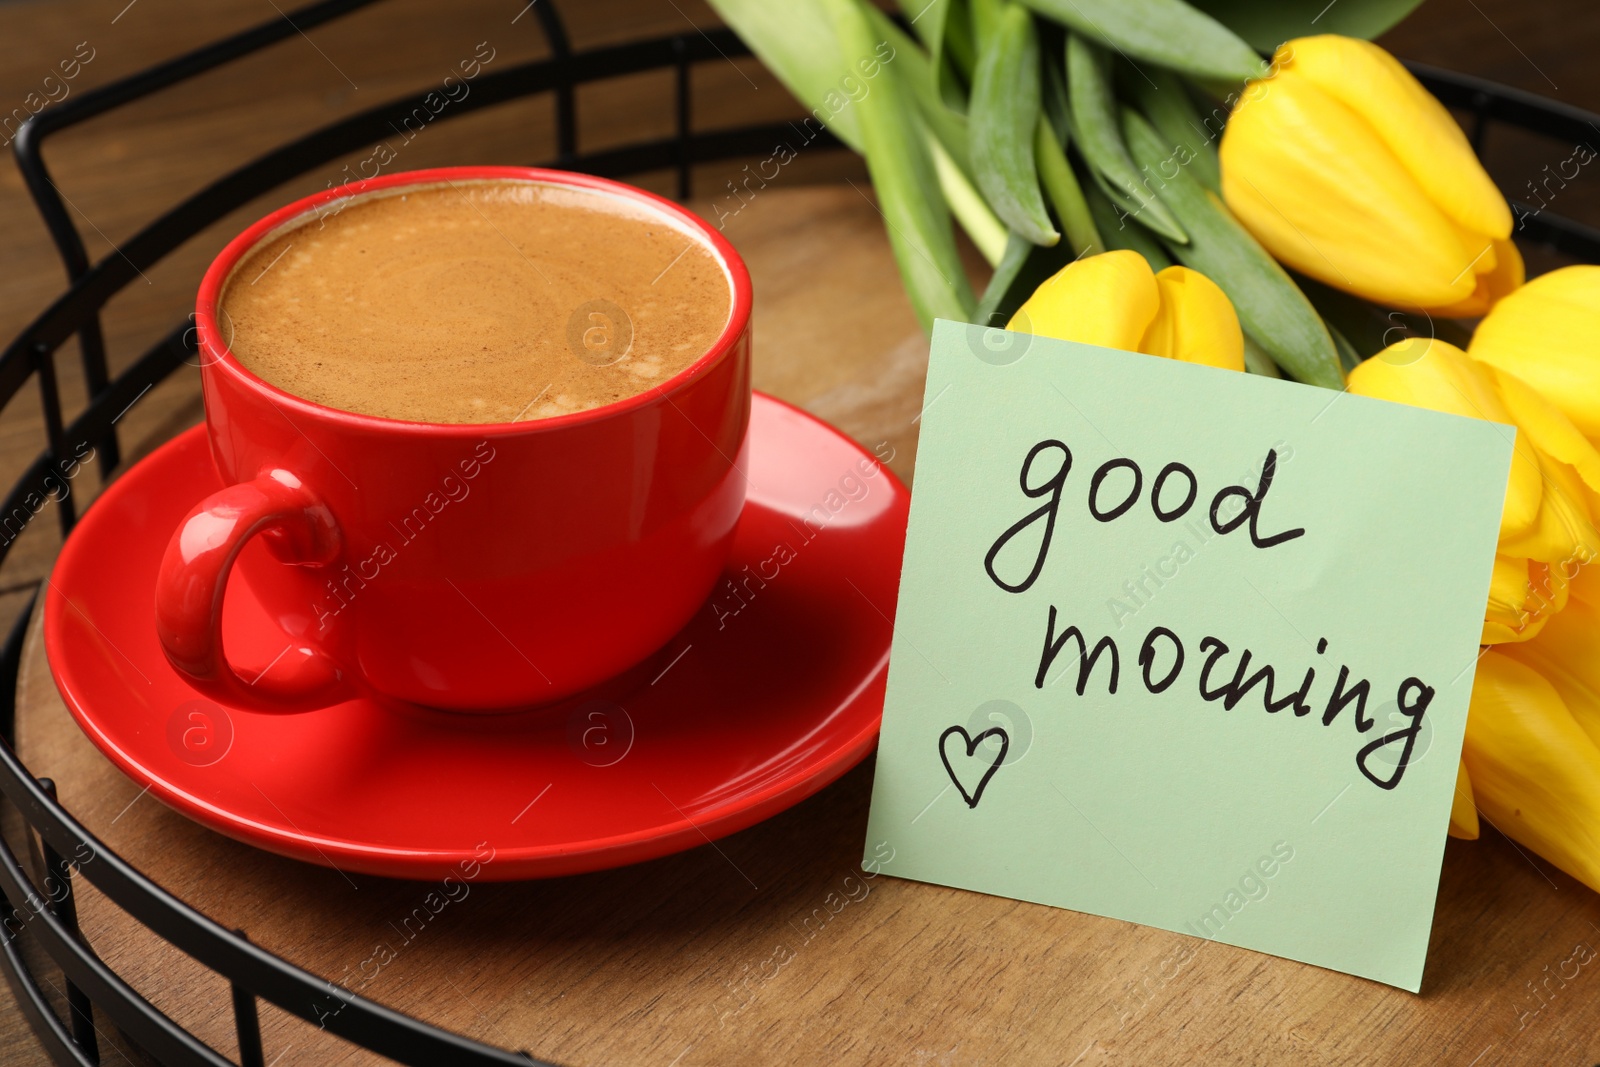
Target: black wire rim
46, 911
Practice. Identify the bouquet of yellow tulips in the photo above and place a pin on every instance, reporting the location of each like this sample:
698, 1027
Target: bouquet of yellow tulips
1140, 178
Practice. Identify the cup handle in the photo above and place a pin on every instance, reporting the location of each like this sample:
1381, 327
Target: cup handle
300, 531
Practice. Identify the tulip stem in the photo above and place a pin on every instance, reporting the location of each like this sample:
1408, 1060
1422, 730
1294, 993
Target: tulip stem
1066, 195
987, 232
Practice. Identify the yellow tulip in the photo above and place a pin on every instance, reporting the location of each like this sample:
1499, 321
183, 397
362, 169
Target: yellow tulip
1493, 285
1535, 774
1114, 300
1547, 333
1345, 168
1565, 653
1547, 527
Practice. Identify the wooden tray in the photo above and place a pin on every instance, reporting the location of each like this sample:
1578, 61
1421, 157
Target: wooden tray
775, 947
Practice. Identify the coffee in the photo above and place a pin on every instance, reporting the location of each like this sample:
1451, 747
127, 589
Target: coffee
484, 301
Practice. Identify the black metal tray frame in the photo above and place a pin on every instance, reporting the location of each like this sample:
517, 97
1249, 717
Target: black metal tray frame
46, 911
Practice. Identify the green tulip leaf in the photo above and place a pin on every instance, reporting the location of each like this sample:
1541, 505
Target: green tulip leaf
1349, 358
903, 174
916, 69
817, 49
927, 19
1167, 33
1001, 119
1165, 101
948, 130
985, 16
1066, 195
796, 40
945, 29
1266, 24
1099, 138
1271, 308
1117, 230
1023, 268
1057, 108
988, 233
959, 44
1256, 360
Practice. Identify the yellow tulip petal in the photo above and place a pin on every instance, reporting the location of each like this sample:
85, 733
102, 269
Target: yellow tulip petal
1314, 184
1547, 429
1582, 579
1508, 592
1565, 655
1494, 633
1494, 284
1442, 378
1107, 300
1412, 124
1564, 529
1487, 257
1509, 274
1196, 322
1550, 592
1523, 595
1548, 334
1535, 773
1463, 812
1571, 467
1503, 636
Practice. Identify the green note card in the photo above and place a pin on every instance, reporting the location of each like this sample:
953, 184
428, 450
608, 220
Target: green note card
1185, 647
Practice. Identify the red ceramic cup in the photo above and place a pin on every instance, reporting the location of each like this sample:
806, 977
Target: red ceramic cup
469, 567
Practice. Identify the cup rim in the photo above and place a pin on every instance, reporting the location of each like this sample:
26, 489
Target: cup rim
218, 357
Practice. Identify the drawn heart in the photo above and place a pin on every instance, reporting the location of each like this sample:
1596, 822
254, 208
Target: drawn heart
972, 743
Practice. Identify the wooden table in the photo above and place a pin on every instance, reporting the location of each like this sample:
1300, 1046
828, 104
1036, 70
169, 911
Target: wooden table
667, 962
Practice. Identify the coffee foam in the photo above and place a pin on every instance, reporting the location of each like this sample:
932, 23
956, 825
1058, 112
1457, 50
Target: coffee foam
475, 302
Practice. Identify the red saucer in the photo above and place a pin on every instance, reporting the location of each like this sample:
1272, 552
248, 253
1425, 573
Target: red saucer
773, 691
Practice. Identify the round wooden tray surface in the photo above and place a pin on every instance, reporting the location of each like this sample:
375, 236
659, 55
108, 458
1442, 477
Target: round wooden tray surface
774, 946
